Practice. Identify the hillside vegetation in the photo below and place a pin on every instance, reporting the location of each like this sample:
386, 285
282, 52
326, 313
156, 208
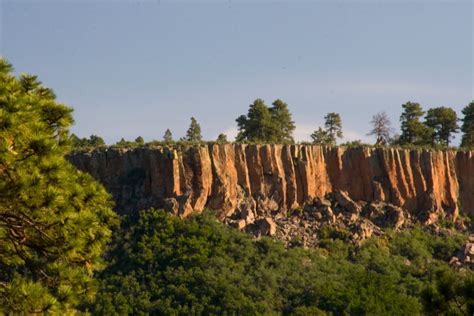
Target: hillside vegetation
63, 252
163, 265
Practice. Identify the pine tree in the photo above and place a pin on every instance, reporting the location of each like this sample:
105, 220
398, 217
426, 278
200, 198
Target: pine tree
96, 141
122, 143
222, 139
93, 141
413, 130
321, 137
468, 126
283, 123
194, 131
263, 124
54, 220
139, 140
257, 126
168, 137
443, 122
333, 127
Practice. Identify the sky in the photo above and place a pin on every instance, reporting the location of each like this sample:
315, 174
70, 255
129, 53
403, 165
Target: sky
136, 68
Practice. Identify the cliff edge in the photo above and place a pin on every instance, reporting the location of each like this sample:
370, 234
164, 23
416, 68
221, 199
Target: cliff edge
234, 177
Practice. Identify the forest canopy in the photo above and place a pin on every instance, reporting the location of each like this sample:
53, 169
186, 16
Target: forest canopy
164, 265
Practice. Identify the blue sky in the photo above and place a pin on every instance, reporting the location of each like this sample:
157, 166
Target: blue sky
132, 68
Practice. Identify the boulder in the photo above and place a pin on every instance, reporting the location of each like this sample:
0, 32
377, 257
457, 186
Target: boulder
394, 217
171, 205
239, 224
266, 226
469, 249
322, 202
346, 202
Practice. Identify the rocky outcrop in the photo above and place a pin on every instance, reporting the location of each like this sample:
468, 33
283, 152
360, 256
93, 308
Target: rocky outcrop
257, 180
336, 216
465, 257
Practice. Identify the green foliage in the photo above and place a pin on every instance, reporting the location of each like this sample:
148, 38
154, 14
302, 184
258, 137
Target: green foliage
284, 125
444, 122
122, 143
168, 137
263, 124
414, 131
139, 140
333, 124
161, 264
332, 131
125, 143
449, 293
468, 126
54, 220
93, 141
222, 139
321, 137
193, 133
355, 143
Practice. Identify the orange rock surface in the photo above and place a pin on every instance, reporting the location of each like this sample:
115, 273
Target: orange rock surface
427, 183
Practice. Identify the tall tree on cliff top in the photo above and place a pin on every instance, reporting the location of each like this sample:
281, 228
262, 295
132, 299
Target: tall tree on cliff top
381, 128
222, 139
413, 130
284, 125
194, 131
321, 137
264, 124
54, 220
468, 126
168, 137
139, 140
333, 126
444, 123
92, 141
332, 131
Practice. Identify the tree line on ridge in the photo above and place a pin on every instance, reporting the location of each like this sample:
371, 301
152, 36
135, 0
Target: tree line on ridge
273, 124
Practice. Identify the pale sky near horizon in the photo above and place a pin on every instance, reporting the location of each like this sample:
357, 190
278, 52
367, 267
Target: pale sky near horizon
131, 68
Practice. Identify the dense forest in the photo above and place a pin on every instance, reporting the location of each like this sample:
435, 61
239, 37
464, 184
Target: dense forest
161, 264
64, 251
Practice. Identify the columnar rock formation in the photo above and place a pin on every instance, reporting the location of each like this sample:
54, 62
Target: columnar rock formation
230, 177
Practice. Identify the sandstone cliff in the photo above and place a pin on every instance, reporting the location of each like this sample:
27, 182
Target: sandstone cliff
232, 177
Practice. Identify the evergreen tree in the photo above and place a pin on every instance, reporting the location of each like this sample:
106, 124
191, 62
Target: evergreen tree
139, 140
54, 220
468, 126
222, 139
168, 137
122, 143
96, 141
284, 125
194, 131
444, 122
257, 126
93, 141
381, 128
266, 125
76, 141
333, 126
413, 130
321, 137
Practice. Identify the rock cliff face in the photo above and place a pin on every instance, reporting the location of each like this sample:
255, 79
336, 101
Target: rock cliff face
235, 178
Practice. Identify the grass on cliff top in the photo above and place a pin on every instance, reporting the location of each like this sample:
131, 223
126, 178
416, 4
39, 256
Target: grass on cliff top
185, 144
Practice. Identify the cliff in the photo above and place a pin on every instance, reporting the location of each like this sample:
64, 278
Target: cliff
277, 178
